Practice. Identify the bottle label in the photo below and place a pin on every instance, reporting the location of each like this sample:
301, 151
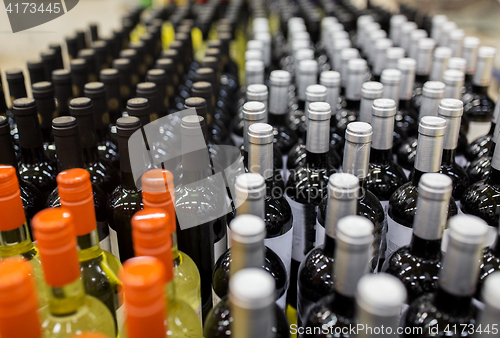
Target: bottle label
397, 236
103, 233
215, 299
113, 239
320, 233
282, 246
492, 235
477, 129
304, 219
219, 248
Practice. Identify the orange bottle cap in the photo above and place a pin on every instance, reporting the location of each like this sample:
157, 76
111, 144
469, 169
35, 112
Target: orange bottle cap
55, 234
145, 303
75, 190
11, 205
151, 237
18, 302
158, 190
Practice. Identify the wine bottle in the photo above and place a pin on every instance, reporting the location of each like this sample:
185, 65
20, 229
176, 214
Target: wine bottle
248, 246
254, 70
36, 71
34, 165
424, 64
101, 169
49, 60
99, 268
439, 63
346, 54
306, 187
14, 234
490, 261
488, 318
79, 76
15, 81
469, 53
111, 79
165, 89
133, 57
415, 37
417, 264
384, 176
157, 186
451, 110
69, 306
354, 236
149, 91
314, 276
452, 303
404, 38
126, 199
403, 202
124, 72
370, 91
379, 299
43, 93
150, 229
438, 21
72, 47
392, 55
379, 57
391, 80
478, 107
31, 197
63, 93
250, 310
88, 55
373, 37
446, 29
147, 307
19, 303
406, 118
252, 112
277, 212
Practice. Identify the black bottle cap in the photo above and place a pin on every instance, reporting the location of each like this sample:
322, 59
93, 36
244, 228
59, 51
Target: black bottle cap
147, 38
205, 74
198, 103
24, 106
130, 54
201, 87
169, 54
126, 124
61, 76
48, 55
55, 47
35, 64
14, 74
94, 89
212, 52
156, 75
78, 64
214, 44
87, 54
121, 64
99, 46
210, 62
137, 104
43, 90
177, 46
109, 74
80, 106
146, 88
94, 31
166, 64
25, 112
64, 126
138, 46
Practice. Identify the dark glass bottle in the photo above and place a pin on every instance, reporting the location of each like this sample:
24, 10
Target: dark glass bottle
59, 58
491, 261
149, 90
438, 313
107, 149
101, 171
36, 71
469, 53
315, 272
406, 118
43, 93
248, 249
384, 176
249, 311
79, 76
403, 202
63, 92
126, 199
379, 51
139, 107
306, 187
424, 64
133, 57
32, 199
140, 50
49, 59
165, 89
91, 63
72, 47
111, 79
417, 264
15, 81
34, 165
451, 110
124, 74
354, 237
69, 156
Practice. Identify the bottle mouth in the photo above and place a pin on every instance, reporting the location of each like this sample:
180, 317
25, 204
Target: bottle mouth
74, 185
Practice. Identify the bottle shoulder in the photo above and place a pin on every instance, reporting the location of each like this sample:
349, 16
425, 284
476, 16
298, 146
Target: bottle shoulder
316, 273
384, 178
182, 320
332, 313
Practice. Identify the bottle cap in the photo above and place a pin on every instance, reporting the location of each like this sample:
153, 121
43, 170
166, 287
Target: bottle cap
152, 236
253, 54
442, 53
254, 111
260, 133
355, 230
255, 44
435, 186
24, 106
432, 126
426, 44
157, 192
381, 294
257, 92
407, 64
372, 90
64, 126
390, 76
307, 66
468, 229
451, 108
55, 234
61, 76
249, 229
453, 76
11, 205
127, 123
42, 90
343, 186
433, 89
329, 79
251, 289
14, 74
384, 108
316, 93
319, 111
358, 132
280, 78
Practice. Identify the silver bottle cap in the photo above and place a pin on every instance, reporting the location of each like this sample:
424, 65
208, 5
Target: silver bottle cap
407, 67
373, 37
343, 190
255, 44
331, 80
260, 152
338, 46
278, 96
458, 64
380, 295
424, 56
379, 52
484, 67
415, 37
406, 29
308, 75
451, 110
318, 125
250, 193
430, 144
265, 38
260, 133
382, 122
445, 32
315, 93
460, 270
257, 92
300, 55
392, 55
434, 192
391, 79
358, 136
432, 93
470, 49
251, 289
298, 45
455, 41
437, 23
370, 91
254, 70
254, 54
253, 112
346, 55
440, 63
354, 239
454, 81
395, 31
356, 70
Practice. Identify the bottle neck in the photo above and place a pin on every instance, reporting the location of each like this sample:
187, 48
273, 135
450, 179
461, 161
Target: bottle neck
251, 323
417, 174
451, 304
318, 137
88, 246
276, 120
15, 242
448, 157
381, 156
337, 209
365, 109
356, 156
426, 249
260, 159
175, 250
69, 154
407, 84
278, 100
383, 128
351, 263
429, 153
429, 106
329, 246
66, 300
246, 255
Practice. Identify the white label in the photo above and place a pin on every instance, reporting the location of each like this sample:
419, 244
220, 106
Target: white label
492, 236
219, 248
113, 239
477, 129
105, 244
282, 246
320, 233
397, 236
102, 228
238, 140
215, 299
299, 212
